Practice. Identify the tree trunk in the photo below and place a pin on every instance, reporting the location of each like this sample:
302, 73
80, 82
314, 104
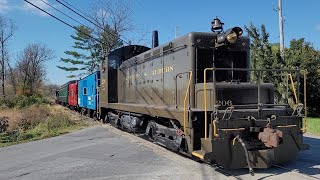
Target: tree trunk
2, 66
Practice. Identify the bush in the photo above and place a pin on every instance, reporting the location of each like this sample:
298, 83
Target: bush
4, 124
26, 100
32, 116
58, 121
6, 104
22, 101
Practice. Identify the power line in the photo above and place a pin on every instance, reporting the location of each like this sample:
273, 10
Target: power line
63, 13
115, 36
76, 9
80, 15
73, 27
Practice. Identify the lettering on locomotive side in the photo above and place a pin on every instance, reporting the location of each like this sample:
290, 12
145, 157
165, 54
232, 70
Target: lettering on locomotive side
153, 72
162, 70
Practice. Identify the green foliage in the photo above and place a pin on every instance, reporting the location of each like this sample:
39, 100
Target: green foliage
313, 126
87, 52
299, 55
264, 55
58, 121
27, 100
6, 103
22, 101
33, 129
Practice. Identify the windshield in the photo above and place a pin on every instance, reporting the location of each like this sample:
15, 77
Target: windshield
223, 59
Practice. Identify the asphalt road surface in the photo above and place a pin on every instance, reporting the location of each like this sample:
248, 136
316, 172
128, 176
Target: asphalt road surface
103, 152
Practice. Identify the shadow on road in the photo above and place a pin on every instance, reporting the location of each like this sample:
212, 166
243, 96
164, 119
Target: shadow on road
307, 162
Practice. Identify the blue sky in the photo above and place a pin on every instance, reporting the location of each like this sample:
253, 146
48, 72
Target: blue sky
301, 20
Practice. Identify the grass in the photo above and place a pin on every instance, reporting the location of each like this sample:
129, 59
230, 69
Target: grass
313, 126
42, 122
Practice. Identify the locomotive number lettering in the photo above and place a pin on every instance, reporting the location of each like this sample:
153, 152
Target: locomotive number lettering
224, 102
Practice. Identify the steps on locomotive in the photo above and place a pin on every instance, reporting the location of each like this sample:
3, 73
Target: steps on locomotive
206, 147
199, 154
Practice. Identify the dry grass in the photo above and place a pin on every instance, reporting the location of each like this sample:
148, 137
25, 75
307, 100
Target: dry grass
33, 114
15, 117
43, 121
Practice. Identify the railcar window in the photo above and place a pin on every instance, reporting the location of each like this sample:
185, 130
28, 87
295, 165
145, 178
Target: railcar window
223, 59
84, 91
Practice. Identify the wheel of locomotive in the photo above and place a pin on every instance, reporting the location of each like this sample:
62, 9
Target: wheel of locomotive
89, 113
106, 119
94, 115
150, 130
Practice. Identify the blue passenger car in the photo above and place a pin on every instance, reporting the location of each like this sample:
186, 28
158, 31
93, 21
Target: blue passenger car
88, 94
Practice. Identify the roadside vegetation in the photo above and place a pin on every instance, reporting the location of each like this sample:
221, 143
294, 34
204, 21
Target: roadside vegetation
313, 126
38, 121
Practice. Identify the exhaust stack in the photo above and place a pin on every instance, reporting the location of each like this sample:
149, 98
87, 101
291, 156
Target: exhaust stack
155, 39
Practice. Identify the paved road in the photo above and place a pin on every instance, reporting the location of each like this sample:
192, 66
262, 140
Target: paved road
107, 153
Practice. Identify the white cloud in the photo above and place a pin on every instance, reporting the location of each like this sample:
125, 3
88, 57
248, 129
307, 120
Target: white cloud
28, 7
10, 5
4, 6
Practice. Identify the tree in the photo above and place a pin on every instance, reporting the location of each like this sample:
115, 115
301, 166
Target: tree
110, 19
299, 55
302, 55
266, 56
81, 60
30, 69
6, 32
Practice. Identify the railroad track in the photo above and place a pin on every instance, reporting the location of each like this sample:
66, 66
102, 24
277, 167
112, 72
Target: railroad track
217, 168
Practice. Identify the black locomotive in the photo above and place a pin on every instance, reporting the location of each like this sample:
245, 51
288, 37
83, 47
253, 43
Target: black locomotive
195, 95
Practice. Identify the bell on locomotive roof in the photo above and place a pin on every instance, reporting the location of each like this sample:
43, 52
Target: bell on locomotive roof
216, 25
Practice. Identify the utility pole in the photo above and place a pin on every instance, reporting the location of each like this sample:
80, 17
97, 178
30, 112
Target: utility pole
176, 32
281, 28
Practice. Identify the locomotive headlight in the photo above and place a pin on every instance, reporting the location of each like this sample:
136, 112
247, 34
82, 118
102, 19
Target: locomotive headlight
232, 37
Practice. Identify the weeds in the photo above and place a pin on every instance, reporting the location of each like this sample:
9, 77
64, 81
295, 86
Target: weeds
38, 122
22, 101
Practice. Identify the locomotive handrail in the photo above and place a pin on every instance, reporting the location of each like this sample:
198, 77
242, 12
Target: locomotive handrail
296, 94
185, 105
294, 89
205, 101
176, 81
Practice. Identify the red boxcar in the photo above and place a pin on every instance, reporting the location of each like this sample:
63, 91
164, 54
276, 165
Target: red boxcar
73, 95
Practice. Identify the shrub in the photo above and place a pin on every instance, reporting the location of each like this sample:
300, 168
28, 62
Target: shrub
58, 121
4, 124
6, 104
32, 116
27, 100
22, 101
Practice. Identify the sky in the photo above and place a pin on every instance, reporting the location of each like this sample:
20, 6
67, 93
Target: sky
170, 17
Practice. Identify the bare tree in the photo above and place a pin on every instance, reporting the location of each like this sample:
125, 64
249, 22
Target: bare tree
30, 68
111, 19
7, 29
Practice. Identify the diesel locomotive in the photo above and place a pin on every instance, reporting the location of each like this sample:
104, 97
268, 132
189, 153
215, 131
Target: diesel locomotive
196, 95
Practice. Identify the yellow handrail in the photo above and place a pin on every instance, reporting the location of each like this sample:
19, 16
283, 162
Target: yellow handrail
215, 129
185, 106
294, 89
304, 129
205, 100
